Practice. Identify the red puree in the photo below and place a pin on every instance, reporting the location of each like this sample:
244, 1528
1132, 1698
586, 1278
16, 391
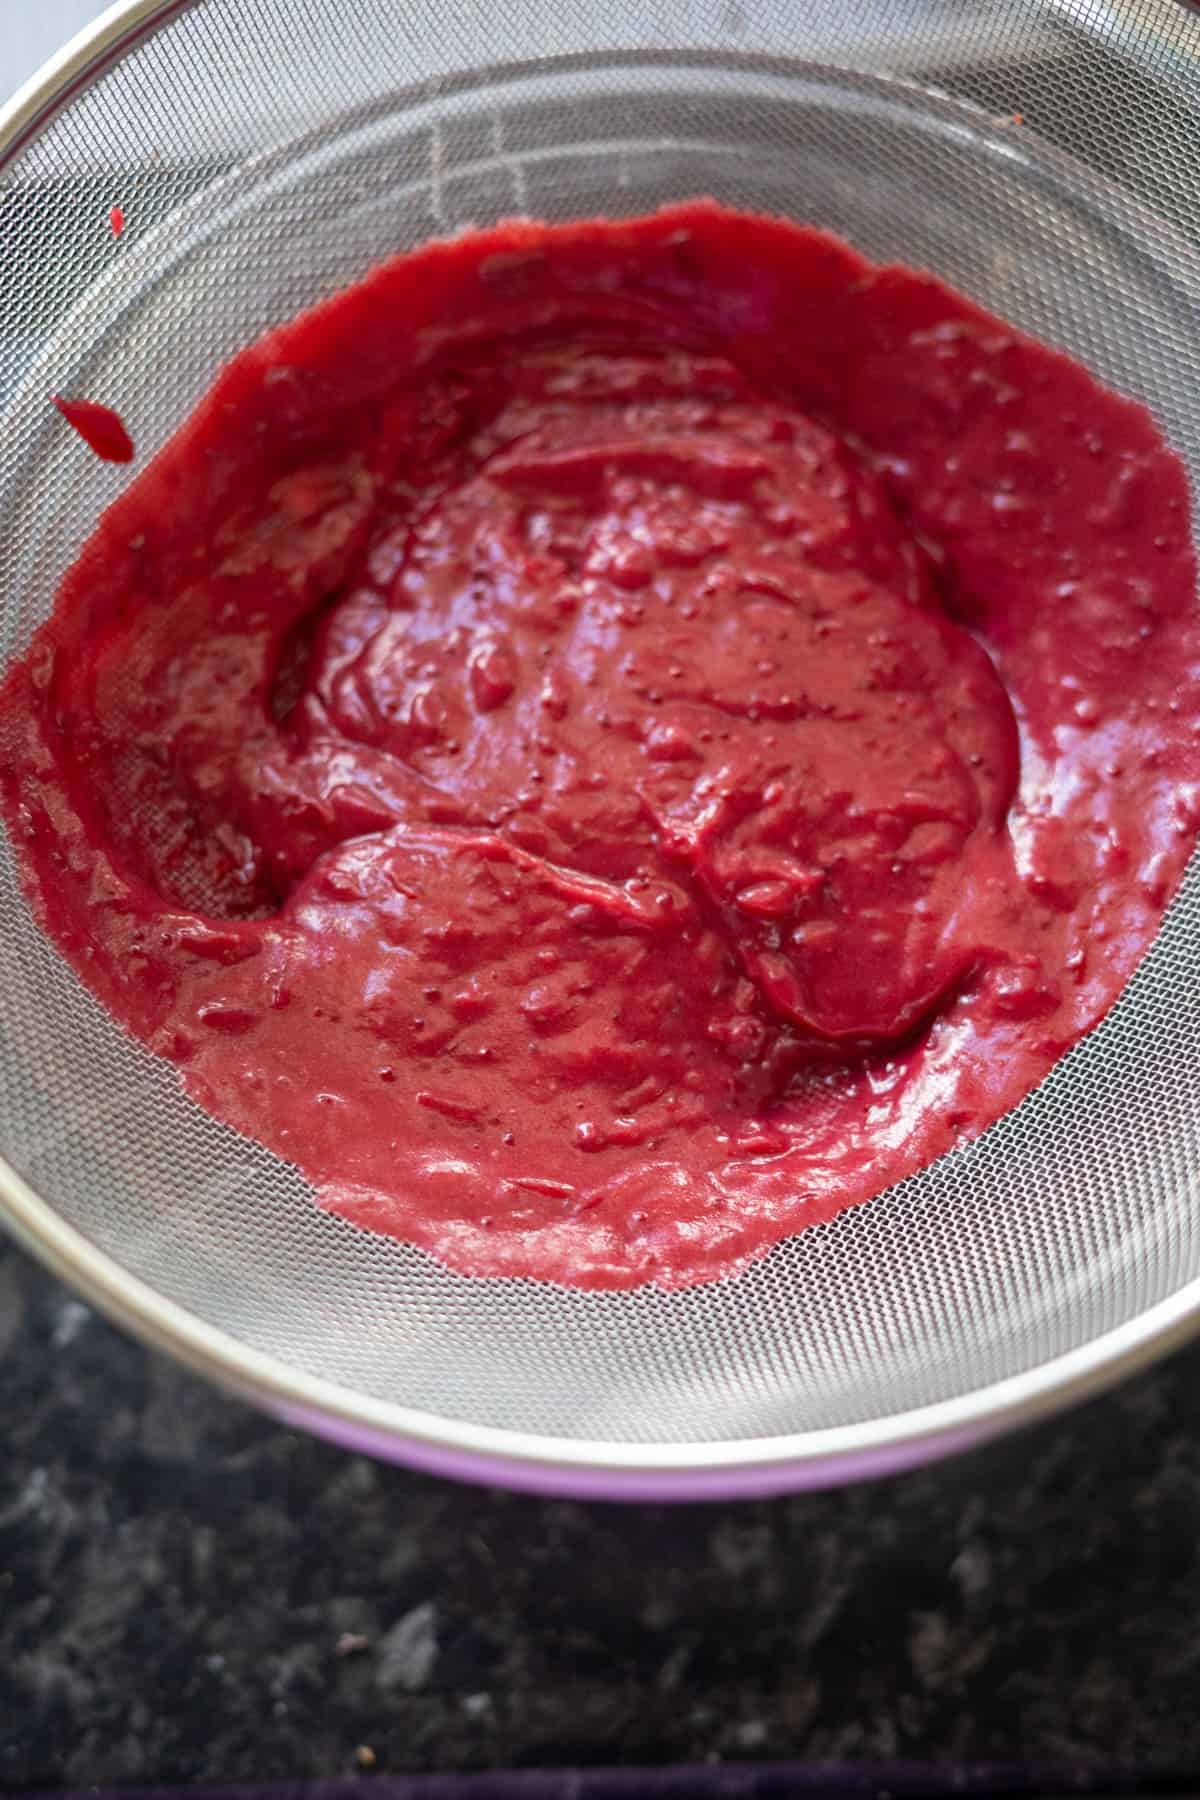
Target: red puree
101, 429
608, 744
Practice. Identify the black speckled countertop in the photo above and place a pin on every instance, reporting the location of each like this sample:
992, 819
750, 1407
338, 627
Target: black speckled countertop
189, 1592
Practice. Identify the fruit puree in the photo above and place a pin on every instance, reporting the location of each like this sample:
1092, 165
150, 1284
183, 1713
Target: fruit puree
608, 744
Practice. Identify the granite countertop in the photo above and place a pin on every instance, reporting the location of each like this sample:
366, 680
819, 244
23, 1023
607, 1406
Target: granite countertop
190, 1592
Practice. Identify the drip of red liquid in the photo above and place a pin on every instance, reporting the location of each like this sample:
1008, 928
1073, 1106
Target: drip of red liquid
116, 220
102, 429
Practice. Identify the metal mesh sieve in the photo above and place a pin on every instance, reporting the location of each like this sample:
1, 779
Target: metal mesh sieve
268, 151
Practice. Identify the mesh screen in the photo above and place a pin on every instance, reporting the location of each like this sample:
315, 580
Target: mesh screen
267, 151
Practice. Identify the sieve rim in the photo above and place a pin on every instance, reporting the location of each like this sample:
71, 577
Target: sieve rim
81, 58
738, 1468
452, 1447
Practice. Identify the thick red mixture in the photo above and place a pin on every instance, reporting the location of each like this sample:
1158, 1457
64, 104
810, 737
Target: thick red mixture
607, 745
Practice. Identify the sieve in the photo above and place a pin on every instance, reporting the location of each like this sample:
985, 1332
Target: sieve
1043, 156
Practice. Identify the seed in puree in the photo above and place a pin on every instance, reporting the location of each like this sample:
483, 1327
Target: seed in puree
607, 744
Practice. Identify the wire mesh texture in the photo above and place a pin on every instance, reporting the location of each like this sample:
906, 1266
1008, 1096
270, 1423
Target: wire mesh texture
1043, 156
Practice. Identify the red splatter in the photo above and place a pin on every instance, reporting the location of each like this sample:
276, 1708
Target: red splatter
99, 426
116, 220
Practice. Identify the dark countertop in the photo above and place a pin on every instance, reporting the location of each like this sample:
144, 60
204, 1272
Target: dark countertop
189, 1592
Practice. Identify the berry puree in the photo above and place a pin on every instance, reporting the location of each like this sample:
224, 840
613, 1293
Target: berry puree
608, 744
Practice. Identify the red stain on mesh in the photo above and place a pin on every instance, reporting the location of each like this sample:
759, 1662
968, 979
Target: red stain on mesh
116, 220
102, 429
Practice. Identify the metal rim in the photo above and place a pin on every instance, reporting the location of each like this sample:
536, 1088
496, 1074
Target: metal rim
588, 1467
612, 1470
78, 62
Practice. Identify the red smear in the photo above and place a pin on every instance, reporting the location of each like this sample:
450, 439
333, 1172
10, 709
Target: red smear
116, 220
99, 427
